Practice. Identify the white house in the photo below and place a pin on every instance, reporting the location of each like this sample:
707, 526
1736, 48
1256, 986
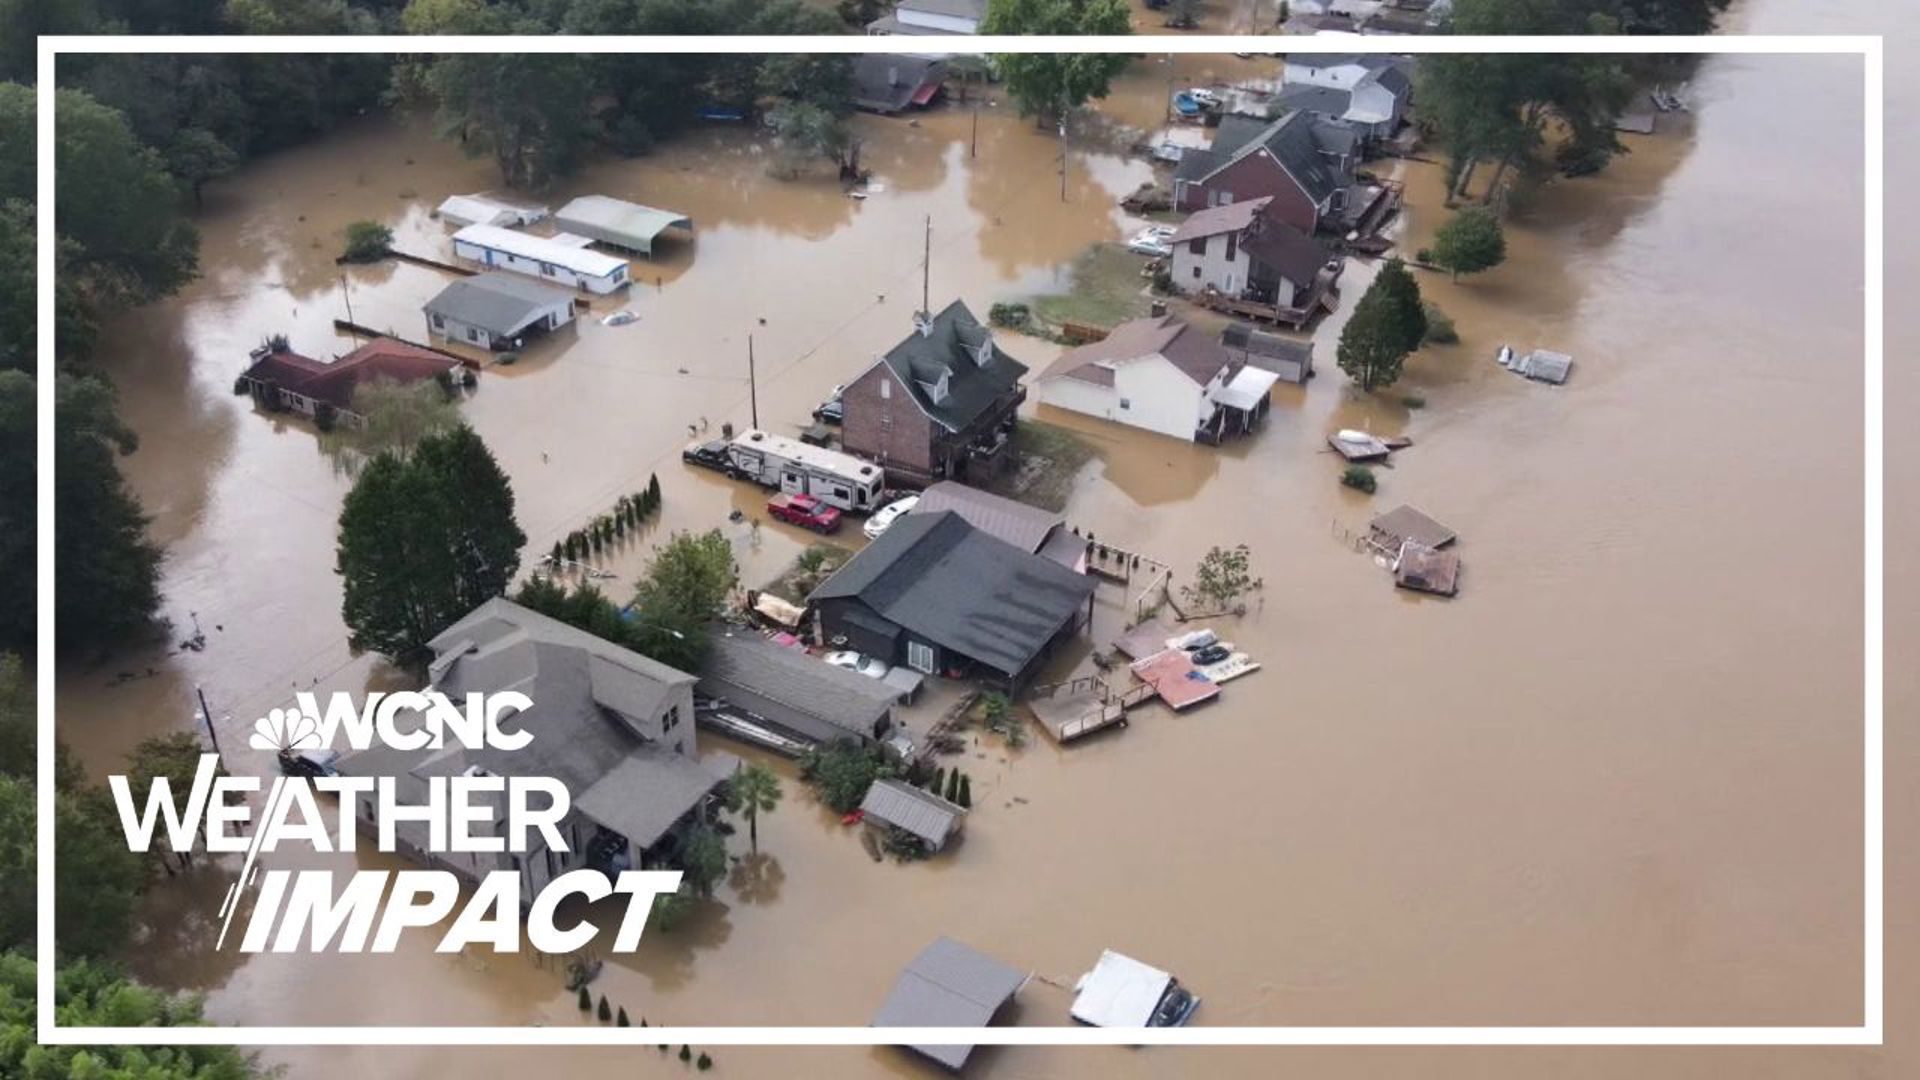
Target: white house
931, 17
1369, 91
1160, 374
1243, 251
564, 259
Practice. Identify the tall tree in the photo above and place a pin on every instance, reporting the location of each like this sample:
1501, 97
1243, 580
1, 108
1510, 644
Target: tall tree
1469, 242
752, 791
19, 489
1387, 324
685, 589
530, 112
396, 417
1049, 86
422, 541
108, 586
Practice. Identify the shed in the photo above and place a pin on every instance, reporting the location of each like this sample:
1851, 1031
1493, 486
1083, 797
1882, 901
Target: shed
949, 985
1402, 524
1543, 365
1423, 569
480, 210
495, 310
618, 222
900, 805
1291, 360
797, 694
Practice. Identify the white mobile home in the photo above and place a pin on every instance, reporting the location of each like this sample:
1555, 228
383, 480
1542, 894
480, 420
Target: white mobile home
562, 259
796, 468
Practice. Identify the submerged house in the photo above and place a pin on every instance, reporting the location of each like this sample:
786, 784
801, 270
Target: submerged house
613, 726
1160, 374
619, 223
794, 694
937, 18
497, 311
943, 597
890, 83
281, 380
1245, 251
949, 985
564, 258
1027, 527
1302, 162
938, 405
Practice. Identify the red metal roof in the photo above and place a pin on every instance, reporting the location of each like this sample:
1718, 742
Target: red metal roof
334, 383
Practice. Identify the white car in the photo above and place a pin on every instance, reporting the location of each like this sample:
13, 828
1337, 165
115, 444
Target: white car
1155, 240
853, 661
887, 515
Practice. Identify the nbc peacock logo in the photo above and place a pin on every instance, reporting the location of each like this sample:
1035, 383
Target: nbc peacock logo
285, 729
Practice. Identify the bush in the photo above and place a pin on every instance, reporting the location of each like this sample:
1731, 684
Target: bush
841, 772
367, 241
1359, 478
1414, 401
1014, 314
686, 1052
1440, 330
605, 1013
621, 1020
966, 792
586, 999
703, 1063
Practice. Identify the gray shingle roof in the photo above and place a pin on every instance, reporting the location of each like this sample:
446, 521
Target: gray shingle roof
949, 985
956, 586
1325, 100
495, 301
1025, 527
949, 348
1296, 256
900, 804
825, 702
886, 82
645, 793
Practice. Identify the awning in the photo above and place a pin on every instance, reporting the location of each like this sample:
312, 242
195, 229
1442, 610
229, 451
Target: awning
925, 93
1246, 390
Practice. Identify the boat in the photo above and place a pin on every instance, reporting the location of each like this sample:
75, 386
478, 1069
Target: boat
1504, 357
1188, 106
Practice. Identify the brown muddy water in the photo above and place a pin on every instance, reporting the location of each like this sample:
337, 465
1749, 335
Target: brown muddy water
1615, 782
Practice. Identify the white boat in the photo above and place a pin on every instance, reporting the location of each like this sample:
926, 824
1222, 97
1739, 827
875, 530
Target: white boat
1504, 357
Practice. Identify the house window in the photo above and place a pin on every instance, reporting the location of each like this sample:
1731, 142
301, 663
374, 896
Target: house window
1230, 246
1196, 273
673, 719
1126, 404
1198, 246
886, 389
920, 656
1226, 197
546, 269
438, 322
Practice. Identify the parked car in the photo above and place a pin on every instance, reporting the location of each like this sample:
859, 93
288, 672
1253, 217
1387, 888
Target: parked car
853, 661
831, 411
887, 515
708, 455
804, 511
1155, 240
1211, 654
322, 762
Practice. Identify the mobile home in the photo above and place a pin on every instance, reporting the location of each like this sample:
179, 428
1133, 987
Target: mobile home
564, 259
796, 468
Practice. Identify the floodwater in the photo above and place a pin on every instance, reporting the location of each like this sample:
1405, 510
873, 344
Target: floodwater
1615, 782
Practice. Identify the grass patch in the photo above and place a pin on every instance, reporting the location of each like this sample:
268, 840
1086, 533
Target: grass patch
806, 572
1047, 457
1107, 290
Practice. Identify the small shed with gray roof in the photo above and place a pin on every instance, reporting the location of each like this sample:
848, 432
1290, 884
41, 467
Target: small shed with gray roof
949, 985
928, 818
622, 224
799, 695
497, 310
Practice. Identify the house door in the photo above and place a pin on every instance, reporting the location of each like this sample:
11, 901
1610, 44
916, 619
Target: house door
793, 482
920, 656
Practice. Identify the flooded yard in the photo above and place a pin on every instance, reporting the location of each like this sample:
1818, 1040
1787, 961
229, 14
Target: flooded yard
1615, 782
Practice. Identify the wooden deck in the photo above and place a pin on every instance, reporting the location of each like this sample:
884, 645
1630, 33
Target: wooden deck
1073, 716
1174, 678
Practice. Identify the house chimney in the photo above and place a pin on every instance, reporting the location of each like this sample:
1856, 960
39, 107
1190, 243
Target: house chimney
923, 324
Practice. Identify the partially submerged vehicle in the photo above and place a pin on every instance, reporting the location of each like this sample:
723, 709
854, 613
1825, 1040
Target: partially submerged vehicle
804, 511
796, 468
711, 454
1123, 992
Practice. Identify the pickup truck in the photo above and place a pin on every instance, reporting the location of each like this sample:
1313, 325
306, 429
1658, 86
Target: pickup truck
804, 511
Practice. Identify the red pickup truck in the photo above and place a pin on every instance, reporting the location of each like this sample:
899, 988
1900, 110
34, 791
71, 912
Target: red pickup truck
805, 511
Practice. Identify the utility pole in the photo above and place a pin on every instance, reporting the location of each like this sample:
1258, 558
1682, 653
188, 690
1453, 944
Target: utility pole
1063, 159
346, 294
973, 146
213, 733
926, 270
753, 389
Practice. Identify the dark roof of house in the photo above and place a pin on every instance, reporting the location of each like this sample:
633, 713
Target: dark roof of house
495, 301
1197, 356
900, 804
826, 702
334, 383
951, 349
1325, 100
1269, 352
962, 589
1293, 254
582, 687
1291, 140
1232, 217
887, 82
1025, 527
1394, 75
959, 9
949, 985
